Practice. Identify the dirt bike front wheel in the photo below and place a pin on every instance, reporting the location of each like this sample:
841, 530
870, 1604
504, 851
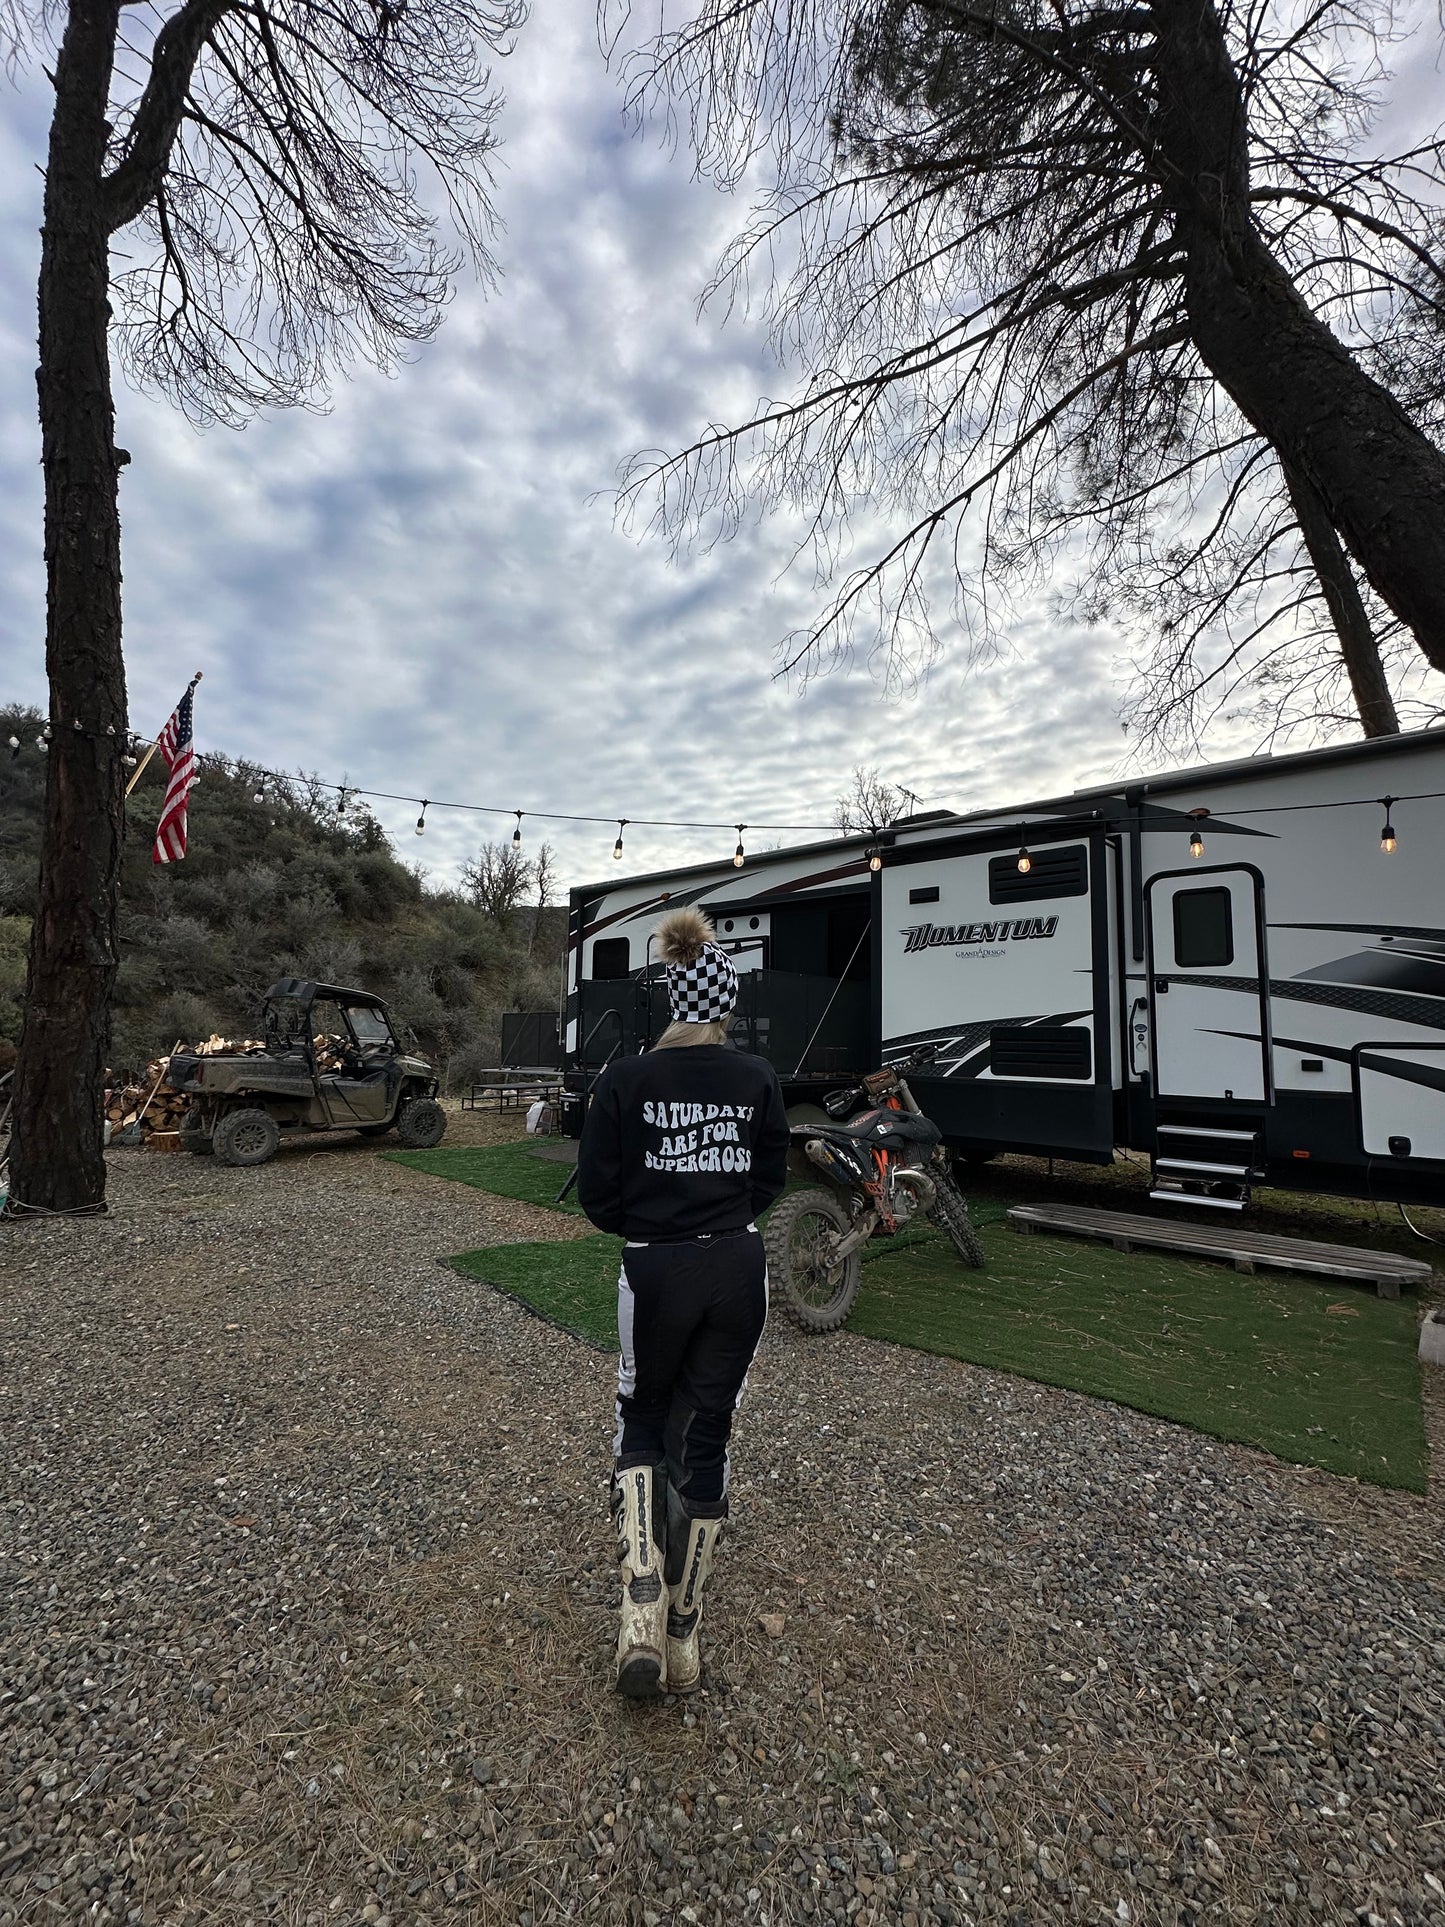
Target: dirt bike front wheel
817, 1290
950, 1213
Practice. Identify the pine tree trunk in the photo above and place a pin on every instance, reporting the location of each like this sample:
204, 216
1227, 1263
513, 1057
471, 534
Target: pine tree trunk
1381, 480
56, 1161
1373, 701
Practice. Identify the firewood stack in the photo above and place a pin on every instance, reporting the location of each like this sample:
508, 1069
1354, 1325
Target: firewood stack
125, 1103
328, 1051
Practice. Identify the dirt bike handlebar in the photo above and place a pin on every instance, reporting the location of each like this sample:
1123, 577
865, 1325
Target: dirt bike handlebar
877, 1082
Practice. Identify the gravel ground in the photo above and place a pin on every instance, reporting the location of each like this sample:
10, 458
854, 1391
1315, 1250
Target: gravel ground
309, 1602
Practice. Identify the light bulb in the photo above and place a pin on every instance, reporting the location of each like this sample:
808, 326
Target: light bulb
617, 846
1026, 862
517, 833
259, 794
14, 742
1196, 844
1388, 840
875, 861
739, 858
41, 744
421, 826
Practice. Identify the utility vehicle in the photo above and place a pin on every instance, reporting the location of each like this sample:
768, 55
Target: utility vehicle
330, 1061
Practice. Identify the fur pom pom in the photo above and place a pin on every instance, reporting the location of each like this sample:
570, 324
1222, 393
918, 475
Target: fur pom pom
681, 936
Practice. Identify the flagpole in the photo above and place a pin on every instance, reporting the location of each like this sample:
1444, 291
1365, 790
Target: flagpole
139, 770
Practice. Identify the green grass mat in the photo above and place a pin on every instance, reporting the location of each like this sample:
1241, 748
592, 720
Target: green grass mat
573, 1285
1320, 1373
506, 1170
1264, 1360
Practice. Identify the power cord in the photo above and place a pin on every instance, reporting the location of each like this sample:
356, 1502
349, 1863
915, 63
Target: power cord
1425, 1235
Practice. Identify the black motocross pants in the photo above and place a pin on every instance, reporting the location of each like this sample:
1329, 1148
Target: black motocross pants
689, 1318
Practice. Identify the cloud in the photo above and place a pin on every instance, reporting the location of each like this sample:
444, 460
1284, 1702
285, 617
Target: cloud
423, 590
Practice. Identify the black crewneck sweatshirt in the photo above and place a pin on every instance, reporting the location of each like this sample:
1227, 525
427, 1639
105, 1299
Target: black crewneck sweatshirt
678, 1143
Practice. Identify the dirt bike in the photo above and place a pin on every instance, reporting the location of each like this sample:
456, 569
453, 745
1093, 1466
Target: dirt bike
883, 1168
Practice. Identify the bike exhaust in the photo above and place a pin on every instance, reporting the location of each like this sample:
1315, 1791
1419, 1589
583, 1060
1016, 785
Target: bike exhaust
920, 1182
834, 1164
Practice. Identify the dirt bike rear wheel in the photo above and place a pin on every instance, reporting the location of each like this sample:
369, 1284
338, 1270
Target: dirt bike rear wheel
803, 1229
950, 1213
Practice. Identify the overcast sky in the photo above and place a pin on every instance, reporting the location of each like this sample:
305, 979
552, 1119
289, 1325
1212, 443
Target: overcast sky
420, 591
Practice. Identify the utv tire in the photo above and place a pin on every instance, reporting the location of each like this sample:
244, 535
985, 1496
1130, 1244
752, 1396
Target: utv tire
950, 1214
421, 1124
802, 1229
195, 1140
246, 1137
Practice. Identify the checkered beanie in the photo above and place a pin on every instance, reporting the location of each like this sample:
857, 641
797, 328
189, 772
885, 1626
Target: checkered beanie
703, 991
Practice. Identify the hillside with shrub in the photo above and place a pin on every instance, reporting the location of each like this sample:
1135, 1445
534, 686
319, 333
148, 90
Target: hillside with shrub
285, 886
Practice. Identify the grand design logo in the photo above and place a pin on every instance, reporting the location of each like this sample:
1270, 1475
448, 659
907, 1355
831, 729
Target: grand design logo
941, 936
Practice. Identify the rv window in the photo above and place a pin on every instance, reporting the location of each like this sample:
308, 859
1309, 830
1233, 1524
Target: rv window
1051, 873
611, 959
1203, 929
928, 894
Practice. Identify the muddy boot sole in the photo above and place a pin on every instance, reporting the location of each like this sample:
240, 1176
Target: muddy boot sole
639, 1677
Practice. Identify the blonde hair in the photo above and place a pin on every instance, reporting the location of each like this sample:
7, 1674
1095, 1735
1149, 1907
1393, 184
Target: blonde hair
681, 938
678, 1036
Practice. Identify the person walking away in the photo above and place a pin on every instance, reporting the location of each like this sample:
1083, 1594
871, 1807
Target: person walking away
682, 1148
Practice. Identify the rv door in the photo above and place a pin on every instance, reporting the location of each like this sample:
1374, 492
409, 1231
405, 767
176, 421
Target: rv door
1208, 1002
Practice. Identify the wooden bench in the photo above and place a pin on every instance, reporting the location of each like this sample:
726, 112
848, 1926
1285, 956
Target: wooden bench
1246, 1250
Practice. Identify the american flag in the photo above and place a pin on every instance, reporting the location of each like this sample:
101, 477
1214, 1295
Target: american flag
176, 746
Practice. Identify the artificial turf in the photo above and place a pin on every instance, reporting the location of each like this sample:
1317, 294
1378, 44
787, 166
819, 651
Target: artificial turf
1320, 1373
506, 1170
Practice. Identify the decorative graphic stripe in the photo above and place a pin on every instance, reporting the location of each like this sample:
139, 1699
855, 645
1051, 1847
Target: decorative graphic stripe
1392, 1005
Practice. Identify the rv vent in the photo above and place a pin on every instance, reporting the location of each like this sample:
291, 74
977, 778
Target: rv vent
1041, 1050
1051, 873
928, 893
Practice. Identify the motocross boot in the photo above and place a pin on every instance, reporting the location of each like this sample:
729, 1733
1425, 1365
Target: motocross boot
691, 1544
640, 1515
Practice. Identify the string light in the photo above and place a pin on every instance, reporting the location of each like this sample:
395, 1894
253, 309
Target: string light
517, 833
617, 846
1388, 840
14, 745
421, 820
258, 795
1196, 835
341, 802
739, 857
875, 859
1026, 862
41, 744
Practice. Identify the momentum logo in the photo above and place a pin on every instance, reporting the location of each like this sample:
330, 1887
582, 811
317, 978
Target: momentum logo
939, 936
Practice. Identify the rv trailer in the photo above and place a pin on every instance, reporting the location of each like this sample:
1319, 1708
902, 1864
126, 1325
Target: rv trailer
1238, 970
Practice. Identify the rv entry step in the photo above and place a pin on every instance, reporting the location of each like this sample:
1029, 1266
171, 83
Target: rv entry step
1245, 1250
1204, 1164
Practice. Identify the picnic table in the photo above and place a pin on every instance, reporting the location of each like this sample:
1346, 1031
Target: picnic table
509, 1089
